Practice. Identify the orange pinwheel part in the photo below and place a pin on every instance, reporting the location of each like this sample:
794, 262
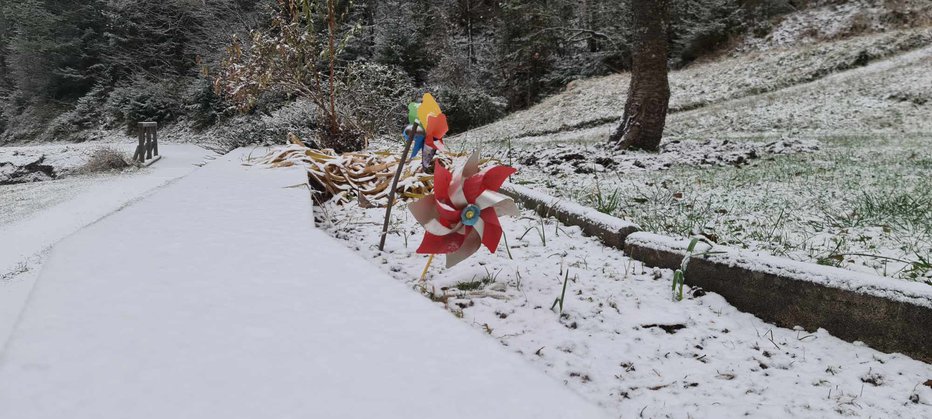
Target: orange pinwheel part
436, 129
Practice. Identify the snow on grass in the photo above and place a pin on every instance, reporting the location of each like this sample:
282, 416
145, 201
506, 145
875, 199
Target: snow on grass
64, 157
893, 95
590, 215
599, 101
857, 197
858, 202
624, 344
838, 20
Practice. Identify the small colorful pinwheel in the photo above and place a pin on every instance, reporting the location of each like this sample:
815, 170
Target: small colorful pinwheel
462, 213
431, 127
427, 115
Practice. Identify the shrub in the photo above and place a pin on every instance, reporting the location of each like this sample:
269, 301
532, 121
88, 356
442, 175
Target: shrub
105, 159
298, 117
295, 55
143, 100
468, 107
377, 95
29, 121
203, 105
74, 125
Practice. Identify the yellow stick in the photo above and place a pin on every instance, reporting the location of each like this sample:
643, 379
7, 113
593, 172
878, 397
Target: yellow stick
424, 274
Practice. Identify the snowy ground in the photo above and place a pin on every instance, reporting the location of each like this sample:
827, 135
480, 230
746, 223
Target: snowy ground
37, 215
624, 344
861, 202
232, 305
809, 152
835, 20
599, 102
20, 200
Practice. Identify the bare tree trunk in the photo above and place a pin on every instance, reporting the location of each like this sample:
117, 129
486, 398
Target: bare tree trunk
331, 22
649, 93
470, 53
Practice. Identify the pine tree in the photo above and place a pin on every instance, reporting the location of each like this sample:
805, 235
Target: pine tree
401, 34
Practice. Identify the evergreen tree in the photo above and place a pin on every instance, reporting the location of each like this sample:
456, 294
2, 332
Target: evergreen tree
402, 29
529, 47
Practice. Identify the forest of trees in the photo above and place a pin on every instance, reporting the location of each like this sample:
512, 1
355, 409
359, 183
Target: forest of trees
67, 66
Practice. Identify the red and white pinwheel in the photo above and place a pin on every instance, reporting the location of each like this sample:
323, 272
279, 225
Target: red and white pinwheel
462, 213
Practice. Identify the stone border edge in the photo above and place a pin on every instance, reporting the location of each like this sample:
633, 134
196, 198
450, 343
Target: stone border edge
886, 314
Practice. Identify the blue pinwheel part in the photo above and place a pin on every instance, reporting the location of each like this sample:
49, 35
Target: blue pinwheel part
470, 215
418, 140
418, 145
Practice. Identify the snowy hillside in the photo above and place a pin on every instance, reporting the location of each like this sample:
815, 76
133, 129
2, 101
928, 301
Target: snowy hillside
600, 101
805, 151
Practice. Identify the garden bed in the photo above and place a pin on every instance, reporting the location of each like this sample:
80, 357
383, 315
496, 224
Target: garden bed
619, 338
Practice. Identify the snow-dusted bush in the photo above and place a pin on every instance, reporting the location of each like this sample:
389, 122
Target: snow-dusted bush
699, 27
105, 159
204, 106
468, 107
296, 54
143, 100
75, 124
376, 96
298, 117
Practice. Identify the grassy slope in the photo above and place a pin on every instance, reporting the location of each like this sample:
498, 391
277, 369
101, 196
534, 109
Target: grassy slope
600, 101
861, 202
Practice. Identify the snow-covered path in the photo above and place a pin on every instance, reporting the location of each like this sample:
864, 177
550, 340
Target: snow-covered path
217, 298
23, 243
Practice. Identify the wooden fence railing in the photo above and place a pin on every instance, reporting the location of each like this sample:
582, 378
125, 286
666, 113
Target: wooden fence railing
148, 147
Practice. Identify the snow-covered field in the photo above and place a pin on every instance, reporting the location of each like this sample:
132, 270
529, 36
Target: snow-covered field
230, 304
624, 343
599, 102
37, 215
826, 19
809, 152
861, 202
19, 200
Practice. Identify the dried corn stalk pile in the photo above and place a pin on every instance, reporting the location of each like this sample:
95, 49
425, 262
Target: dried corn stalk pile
365, 175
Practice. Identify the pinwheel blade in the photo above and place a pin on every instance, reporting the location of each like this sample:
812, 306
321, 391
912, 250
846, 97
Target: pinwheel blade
428, 107
412, 113
437, 129
491, 229
470, 245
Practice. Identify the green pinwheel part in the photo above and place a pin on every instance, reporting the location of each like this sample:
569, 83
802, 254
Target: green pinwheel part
412, 112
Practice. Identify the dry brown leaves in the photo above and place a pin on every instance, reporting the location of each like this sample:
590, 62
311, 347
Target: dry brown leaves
363, 175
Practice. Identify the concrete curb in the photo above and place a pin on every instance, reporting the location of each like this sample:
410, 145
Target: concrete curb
887, 314
610, 230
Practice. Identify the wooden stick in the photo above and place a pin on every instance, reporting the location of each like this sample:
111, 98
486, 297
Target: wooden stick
155, 140
424, 274
391, 192
139, 154
149, 142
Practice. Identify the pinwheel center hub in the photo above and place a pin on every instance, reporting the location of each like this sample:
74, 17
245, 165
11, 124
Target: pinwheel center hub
470, 215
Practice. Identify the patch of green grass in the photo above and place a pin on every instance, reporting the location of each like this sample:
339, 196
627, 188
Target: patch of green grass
605, 203
471, 285
905, 210
478, 283
859, 195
